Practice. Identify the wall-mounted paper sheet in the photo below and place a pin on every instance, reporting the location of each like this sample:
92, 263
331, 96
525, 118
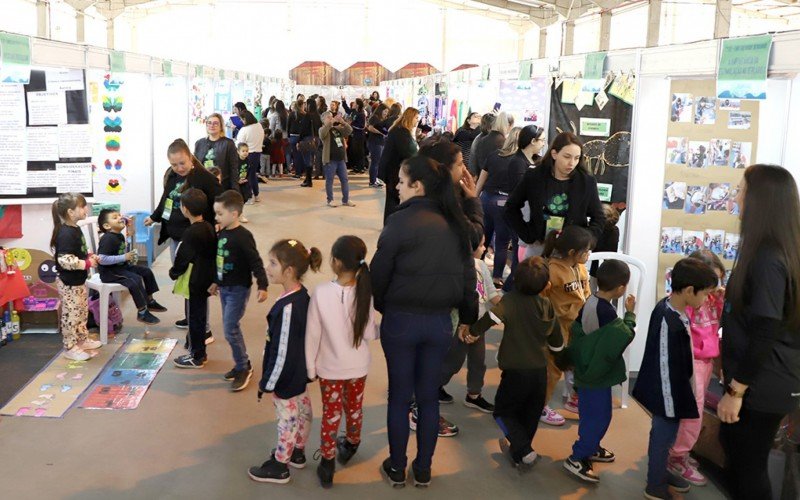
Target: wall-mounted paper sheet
47, 108
73, 178
13, 163
42, 143
64, 79
12, 107
41, 178
74, 141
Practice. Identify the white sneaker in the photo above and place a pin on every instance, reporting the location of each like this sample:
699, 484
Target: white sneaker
77, 354
551, 417
348, 204
91, 344
332, 204
249, 202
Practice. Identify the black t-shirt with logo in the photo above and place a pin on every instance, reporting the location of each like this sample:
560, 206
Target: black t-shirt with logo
70, 241
337, 144
238, 259
112, 244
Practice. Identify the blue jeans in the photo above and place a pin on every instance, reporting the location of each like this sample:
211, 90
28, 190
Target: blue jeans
297, 158
595, 413
662, 436
253, 165
339, 169
375, 153
494, 224
234, 302
415, 346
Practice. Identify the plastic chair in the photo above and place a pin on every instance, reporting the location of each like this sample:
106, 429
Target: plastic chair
640, 267
144, 234
89, 225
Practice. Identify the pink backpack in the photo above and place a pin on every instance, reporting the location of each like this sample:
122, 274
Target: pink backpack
114, 313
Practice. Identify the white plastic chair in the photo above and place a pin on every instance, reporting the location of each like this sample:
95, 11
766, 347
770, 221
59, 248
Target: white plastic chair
640, 267
90, 228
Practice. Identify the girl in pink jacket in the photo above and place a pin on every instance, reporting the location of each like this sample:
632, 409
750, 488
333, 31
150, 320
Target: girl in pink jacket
341, 320
704, 328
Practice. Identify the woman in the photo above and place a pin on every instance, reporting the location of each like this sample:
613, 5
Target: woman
375, 140
761, 328
279, 120
421, 270
252, 134
235, 122
293, 126
560, 192
487, 122
216, 150
358, 120
310, 123
467, 133
375, 97
504, 170
398, 147
494, 140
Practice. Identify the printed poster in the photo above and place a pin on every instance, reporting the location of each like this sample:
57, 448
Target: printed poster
742, 70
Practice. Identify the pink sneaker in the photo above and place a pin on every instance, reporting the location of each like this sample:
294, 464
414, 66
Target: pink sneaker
694, 464
572, 403
680, 466
551, 417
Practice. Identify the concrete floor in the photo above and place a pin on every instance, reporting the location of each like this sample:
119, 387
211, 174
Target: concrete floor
192, 438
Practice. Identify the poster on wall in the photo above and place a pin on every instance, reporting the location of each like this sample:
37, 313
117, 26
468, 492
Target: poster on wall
742, 69
526, 100
704, 163
603, 122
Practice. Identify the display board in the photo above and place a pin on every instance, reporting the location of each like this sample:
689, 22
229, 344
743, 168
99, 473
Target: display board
709, 143
526, 100
170, 95
45, 141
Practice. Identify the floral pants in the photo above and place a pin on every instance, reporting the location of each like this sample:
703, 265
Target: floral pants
294, 425
74, 313
337, 394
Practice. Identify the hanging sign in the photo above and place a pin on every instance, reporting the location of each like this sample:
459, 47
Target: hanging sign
593, 72
742, 72
15, 58
198, 71
525, 70
116, 60
166, 68
485, 72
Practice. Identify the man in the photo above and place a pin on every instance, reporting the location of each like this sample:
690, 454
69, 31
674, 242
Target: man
333, 133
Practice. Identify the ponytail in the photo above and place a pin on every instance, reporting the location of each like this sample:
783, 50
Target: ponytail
60, 211
351, 251
573, 239
292, 253
57, 223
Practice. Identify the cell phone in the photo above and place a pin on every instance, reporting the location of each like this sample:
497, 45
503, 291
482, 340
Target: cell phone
497, 107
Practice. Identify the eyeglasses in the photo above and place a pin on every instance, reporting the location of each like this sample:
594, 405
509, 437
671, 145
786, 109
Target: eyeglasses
212, 124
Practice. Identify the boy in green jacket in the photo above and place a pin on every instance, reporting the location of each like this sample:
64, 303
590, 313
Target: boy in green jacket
598, 340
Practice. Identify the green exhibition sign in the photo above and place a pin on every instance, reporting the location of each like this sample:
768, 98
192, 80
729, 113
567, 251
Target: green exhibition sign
742, 71
15, 58
525, 69
116, 60
593, 68
166, 68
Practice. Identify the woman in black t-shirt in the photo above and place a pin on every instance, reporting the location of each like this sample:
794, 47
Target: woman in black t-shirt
761, 328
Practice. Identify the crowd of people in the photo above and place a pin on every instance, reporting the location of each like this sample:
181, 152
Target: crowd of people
438, 291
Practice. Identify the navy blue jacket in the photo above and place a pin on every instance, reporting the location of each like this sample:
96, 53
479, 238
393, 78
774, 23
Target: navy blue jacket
284, 371
668, 350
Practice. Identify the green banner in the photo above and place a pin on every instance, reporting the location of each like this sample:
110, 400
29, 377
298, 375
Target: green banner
593, 69
166, 68
116, 60
15, 58
198, 71
742, 72
485, 72
525, 69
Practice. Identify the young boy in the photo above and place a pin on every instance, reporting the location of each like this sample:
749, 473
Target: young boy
237, 263
244, 184
664, 385
116, 266
598, 339
198, 249
530, 325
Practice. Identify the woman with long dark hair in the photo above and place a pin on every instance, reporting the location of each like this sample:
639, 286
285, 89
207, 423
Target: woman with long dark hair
375, 139
398, 147
294, 127
761, 328
467, 133
252, 134
416, 286
310, 123
357, 144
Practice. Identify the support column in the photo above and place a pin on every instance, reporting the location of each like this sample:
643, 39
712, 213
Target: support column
542, 43
568, 46
443, 67
43, 18
110, 33
722, 19
80, 26
605, 30
653, 23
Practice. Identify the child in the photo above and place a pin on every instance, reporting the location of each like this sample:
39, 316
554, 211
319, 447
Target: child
237, 262
244, 185
567, 251
475, 353
340, 321
216, 172
664, 385
196, 249
284, 372
266, 146
598, 340
530, 325
280, 145
116, 266
608, 241
704, 328
72, 262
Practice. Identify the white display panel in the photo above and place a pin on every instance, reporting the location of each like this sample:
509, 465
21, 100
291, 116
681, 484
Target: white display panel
171, 121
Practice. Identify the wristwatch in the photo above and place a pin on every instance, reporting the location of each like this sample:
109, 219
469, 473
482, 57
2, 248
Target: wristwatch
730, 391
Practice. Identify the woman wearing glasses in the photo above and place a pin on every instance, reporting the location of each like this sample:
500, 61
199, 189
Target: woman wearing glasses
216, 150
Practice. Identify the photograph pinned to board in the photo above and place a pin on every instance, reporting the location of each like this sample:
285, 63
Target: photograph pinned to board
681, 108
677, 148
719, 152
696, 197
731, 247
674, 195
705, 112
601, 99
668, 281
692, 242
739, 120
714, 240
698, 154
718, 197
741, 153
671, 239
730, 104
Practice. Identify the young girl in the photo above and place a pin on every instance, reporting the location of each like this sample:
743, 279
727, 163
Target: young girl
704, 328
284, 372
567, 251
72, 262
341, 320
244, 185
278, 153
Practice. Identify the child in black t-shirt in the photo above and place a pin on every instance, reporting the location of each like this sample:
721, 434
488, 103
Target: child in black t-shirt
244, 186
116, 266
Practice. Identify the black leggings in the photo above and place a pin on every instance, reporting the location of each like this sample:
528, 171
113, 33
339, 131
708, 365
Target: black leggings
747, 444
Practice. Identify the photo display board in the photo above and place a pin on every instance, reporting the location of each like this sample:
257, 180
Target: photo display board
710, 141
45, 139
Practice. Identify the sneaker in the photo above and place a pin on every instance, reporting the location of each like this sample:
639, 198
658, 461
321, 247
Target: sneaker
209, 338
77, 354
183, 324
241, 379
479, 404
657, 494
603, 455
348, 204
380, 183
250, 202
231, 374
444, 397
581, 469
156, 307
421, 477
147, 318
692, 462
270, 471
325, 471
551, 417
505, 449
397, 478
678, 483
243, 219
91, 344
572, 404
680, 466
345, 449
189, 361
332, 204
298, 458
447, 429
257, 198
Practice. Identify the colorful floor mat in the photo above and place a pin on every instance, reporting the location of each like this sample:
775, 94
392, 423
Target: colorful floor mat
57, 387
124, 382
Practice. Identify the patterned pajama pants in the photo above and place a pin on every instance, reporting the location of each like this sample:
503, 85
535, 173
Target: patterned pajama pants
74, 313
335, 395
294, 425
